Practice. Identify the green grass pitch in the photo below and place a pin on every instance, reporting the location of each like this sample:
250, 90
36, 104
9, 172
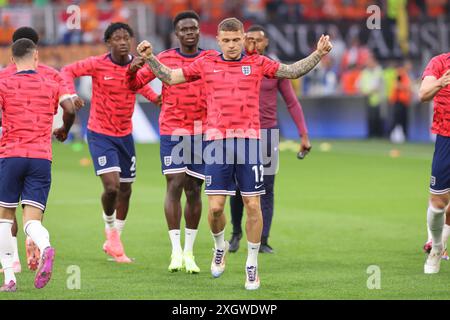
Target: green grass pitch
336, 213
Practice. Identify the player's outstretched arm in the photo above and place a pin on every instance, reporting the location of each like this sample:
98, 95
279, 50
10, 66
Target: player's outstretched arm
163, 73
303, 66
68, 119
430, 86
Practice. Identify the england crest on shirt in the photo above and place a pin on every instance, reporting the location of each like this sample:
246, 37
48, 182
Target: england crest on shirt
246, 70
208, 180
168, 161
102, 161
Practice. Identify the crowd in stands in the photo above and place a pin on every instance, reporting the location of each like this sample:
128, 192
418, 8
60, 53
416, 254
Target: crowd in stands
97, 14
351, 70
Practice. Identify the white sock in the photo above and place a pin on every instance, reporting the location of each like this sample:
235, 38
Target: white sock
109, 220
7, 249
445, 234
430, 238
36, 231
252, 254
175, 238
120, 224
16, 251
436, 220
219, 240
189, 239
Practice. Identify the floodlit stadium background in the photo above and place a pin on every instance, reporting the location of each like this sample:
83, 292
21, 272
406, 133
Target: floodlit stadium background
408, 34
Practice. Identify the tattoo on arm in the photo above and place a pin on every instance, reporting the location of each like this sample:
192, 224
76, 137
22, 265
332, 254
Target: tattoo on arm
161, 71
299, 68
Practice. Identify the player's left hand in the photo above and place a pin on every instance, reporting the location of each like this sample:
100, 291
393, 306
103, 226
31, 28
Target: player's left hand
137, 63
158, 101
324, 45
305, 147
250, 45
60, 134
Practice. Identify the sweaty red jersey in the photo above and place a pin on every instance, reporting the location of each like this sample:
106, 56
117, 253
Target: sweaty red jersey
232, 93
182, 104
112, 102
28, 100
441, 117
42, 69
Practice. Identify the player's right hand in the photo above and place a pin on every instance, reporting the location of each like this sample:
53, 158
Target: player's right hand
250, 46
137, 63
78, 102
445, 79
60, 134
158, 101
145, 49
324, 45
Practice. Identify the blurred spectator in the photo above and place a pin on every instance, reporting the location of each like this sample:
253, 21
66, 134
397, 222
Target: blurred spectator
6, 31
370, 84
322, 80
273, 10
436, 8
339, 46
254, 10
312, 9
401, 100
356, 55
349, 80
398, 16
89, 20
40, 3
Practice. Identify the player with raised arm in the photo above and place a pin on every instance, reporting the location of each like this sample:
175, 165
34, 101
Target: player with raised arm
109, 134
28, 102
32, 250
256, 39
435, 86
182, 106
232, 83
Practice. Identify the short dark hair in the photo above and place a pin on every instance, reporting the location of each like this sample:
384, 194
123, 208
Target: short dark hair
27, 33
22, 47
231, 24
189, 14
257, 27
113, 27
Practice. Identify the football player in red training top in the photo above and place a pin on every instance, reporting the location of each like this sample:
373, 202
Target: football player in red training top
256, 38
435, 86
109, 133
28, 100
232, 83
31, 249
183, 106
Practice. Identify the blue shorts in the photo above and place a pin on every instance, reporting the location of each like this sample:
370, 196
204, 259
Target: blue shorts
113, 154
440, 169
182, 154
234, 163
25, 179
